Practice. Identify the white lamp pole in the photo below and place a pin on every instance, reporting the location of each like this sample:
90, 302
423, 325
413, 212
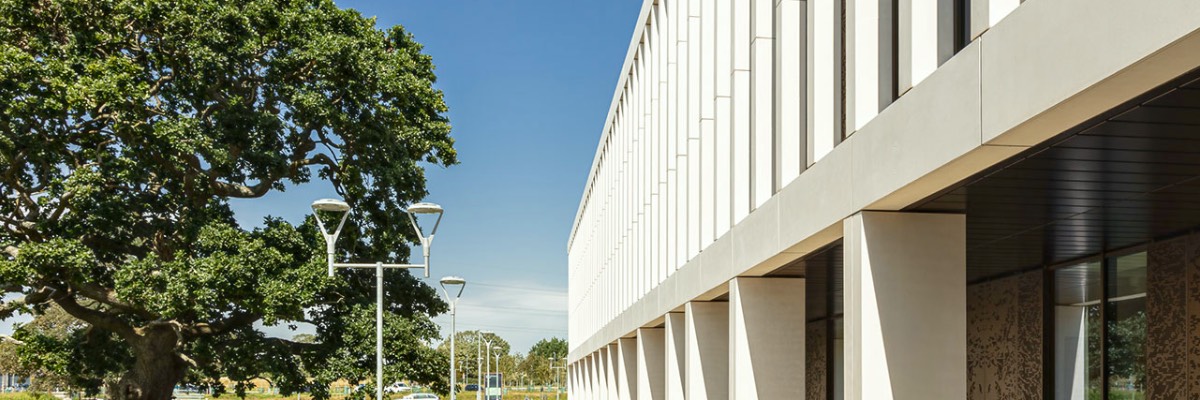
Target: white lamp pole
479, 363
487, 369
453, 281
499, 374
554, 369
338, 206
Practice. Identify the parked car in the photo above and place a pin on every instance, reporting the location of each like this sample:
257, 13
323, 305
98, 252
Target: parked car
421, 396
398, 387
471, 388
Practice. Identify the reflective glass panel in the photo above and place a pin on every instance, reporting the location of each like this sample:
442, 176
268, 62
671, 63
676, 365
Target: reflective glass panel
1126, 309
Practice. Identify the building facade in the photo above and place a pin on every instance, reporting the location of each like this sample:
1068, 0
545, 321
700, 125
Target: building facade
895, 199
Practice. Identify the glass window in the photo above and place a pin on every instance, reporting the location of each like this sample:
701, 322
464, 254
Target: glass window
1100, 329
1125, 352
1078, 372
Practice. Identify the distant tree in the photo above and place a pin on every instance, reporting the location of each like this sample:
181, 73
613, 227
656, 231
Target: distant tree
305, 338
44, 347
126, 129
536, 369
469, 349
549, 348
10, 361
542, 356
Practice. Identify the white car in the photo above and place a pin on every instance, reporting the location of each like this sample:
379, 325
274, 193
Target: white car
398, 387
421, 396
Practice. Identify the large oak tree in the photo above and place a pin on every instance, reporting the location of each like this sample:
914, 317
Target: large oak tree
128, 126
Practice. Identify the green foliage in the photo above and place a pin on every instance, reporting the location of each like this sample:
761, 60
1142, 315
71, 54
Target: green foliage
544, 354
551, 348
47, 345
470, 347
127, 127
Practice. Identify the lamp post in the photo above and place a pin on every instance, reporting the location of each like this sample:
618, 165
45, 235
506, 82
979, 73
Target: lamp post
499, 374
461, 283
487, 366
557, 382
338, 206
479, 364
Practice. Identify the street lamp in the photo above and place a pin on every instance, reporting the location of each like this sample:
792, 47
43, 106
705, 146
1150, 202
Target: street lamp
461, 283
479, 363
335, 206
557, 382
487, 366
499, 374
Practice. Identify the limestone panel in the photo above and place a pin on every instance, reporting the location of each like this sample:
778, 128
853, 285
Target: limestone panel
1166, 301
1004, 338
816, 353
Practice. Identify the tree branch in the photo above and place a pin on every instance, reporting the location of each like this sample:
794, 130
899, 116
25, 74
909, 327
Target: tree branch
94, 317
12, 306
237, 320
108, 297
236, 190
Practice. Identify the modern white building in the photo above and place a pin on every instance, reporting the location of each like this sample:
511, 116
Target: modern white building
895, 199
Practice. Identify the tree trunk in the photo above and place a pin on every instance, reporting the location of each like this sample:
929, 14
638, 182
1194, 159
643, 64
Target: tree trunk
156, 370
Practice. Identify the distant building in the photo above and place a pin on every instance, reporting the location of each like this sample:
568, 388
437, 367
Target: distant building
863, 199
8, 382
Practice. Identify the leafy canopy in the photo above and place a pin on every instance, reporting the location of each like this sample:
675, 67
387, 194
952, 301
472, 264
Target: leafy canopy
128, 126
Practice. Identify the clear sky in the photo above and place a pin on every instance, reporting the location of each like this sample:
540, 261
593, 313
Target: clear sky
528, 83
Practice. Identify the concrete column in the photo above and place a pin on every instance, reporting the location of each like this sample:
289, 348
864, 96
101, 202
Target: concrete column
821, 78
926, 39
658, 245
724, 114
627, 369
573, 382
689, 162
580, 378
762, 89
674, 356
581, 384
611, 372
578, 388
694, 103
869, 81
740, 111
602, 374
671, 142
706, 362
594, 392
651, 364
905, 300
789, 91
766, 338
708, 140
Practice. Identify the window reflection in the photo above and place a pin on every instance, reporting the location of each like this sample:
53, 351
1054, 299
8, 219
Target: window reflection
1100, 326
1126, 337
1078, 372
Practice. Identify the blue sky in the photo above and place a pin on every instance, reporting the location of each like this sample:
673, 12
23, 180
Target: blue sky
528, 83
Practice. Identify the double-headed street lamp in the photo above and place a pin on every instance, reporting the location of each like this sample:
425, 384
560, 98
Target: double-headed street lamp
499, 375
461, 283
487, 366
335, 206
554, 368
